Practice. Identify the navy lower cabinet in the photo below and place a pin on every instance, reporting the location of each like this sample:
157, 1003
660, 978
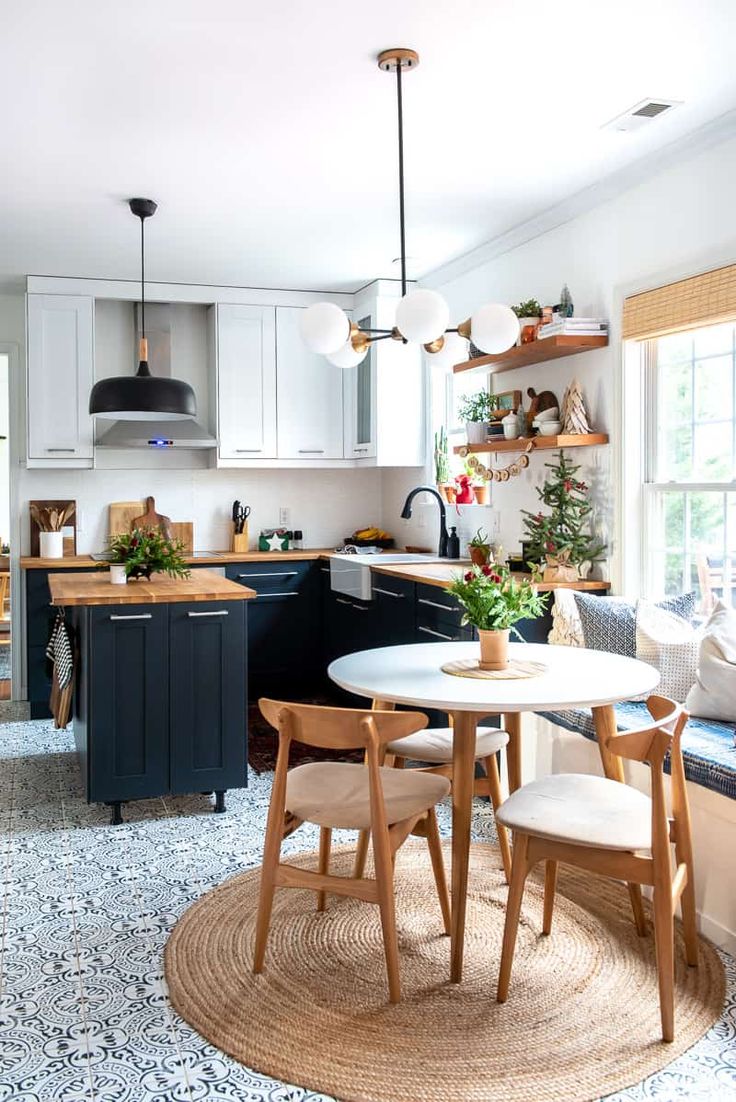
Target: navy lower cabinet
160, 704
40, 617
284, 625
394, 610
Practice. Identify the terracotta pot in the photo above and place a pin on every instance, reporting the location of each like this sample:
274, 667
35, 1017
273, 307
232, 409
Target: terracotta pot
529, 328
494, 649
479, 555
482, 493
451, 494
442, 490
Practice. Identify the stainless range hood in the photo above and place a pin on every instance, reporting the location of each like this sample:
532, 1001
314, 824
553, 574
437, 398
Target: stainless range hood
157, 434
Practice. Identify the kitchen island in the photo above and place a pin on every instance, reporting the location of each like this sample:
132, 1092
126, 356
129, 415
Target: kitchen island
160, 700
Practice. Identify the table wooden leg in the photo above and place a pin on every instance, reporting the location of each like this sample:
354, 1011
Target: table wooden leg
604, 719
512, 723
463, 772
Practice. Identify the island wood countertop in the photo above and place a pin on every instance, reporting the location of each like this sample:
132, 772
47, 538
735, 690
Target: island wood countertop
441, 574
69, 589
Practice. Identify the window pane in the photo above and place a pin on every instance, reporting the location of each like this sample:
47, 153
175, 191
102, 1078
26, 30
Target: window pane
675, 348
676, 453
713, 340
707, 522
712, 452
713, 388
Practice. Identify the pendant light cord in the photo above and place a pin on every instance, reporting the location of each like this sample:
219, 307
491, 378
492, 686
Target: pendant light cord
143, 282
402, 222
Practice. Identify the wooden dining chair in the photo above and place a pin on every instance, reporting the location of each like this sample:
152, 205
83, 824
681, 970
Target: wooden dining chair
609, 827
391, 804
433, 745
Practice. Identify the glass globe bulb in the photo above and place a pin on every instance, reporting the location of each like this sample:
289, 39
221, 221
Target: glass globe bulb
422, 316
324, 327
347, 356
453, 351
494, 328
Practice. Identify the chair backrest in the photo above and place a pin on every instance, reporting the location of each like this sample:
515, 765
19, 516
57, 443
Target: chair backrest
651, 743
4, 587
339, 728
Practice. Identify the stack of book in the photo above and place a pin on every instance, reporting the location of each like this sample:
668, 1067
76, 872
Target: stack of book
574, 327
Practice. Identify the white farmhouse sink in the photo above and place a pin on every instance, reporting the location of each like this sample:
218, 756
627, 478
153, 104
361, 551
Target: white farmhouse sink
351, 574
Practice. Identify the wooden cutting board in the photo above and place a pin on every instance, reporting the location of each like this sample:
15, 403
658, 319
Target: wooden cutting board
123, 513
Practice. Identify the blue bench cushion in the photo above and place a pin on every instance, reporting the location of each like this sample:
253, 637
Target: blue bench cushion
708, 749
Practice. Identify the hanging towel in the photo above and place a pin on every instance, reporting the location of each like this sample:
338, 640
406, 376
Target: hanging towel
60, 652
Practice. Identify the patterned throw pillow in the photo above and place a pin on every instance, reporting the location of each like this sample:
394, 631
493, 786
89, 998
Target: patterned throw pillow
671, 645
609, 623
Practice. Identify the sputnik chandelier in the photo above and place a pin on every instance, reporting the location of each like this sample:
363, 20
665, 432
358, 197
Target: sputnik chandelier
422, 315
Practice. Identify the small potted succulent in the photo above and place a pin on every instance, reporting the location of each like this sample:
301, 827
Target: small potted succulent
480, 548
145, 551
475, 411
494, 602
529, 314
441, 462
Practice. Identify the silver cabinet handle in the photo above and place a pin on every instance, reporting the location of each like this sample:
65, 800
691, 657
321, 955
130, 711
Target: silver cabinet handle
136, 616
272, 574
248, 451
437, 604
219, 612
360, 449
342, 601
325, 570
311, 451
358, 608
291, 593
389, 593
70, 450
437, 634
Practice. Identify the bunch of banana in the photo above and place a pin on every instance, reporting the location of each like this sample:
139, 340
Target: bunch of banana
373, 533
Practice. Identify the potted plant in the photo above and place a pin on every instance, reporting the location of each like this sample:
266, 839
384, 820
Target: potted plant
562, 538
529, 314
145, 551
441, 462
493, 602
475, 411
480, 548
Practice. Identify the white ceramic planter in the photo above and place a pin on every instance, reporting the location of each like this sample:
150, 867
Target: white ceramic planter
476, 431
117, 573
51, 545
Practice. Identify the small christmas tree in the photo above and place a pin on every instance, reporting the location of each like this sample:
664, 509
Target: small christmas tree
563, 535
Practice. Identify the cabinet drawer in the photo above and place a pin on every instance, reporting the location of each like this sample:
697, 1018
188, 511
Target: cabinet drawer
271, 579
443, 633
397, 589
436, 608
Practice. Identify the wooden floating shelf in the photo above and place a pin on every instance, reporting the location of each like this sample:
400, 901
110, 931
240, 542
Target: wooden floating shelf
570, 440
535, 352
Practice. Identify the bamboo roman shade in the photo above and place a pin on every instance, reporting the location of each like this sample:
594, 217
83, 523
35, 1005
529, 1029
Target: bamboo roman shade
705, 299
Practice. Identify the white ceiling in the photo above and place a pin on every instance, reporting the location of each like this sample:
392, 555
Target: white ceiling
268, 136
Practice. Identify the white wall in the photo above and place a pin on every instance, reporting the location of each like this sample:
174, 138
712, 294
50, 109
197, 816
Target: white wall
679, 222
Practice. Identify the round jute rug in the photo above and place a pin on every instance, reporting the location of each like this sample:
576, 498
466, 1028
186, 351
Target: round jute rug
581, 1021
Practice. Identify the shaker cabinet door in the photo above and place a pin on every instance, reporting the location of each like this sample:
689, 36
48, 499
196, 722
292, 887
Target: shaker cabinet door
246, 381
207, 659
310, 419
128, 679
359, 404
60, 377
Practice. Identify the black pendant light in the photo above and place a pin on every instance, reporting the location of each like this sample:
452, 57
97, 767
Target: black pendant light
143, 396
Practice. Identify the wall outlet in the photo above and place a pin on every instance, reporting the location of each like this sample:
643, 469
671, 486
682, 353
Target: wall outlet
284, 516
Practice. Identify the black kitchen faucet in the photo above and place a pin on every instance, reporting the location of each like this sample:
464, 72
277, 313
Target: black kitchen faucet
406, 514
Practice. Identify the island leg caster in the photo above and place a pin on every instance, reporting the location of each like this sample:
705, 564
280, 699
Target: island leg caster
220, 802
116, 817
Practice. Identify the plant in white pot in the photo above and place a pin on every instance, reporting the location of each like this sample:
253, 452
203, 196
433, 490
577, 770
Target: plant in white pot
494, 602
475, 410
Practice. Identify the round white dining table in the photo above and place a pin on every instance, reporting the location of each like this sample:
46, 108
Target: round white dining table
573, 677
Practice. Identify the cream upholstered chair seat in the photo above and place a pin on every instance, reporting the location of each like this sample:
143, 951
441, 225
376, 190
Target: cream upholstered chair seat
337, 794
575, 807
434, 744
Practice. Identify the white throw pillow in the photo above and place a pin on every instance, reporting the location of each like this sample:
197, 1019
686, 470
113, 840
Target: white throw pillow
713, 696
670, 644
567, 628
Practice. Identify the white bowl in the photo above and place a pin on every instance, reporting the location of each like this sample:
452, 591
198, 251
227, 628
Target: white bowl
550, 428
552, 414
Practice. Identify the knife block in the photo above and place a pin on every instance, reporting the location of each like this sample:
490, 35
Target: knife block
240, 541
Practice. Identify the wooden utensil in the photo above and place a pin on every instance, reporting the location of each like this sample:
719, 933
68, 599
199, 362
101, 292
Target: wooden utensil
65, 517
152, 519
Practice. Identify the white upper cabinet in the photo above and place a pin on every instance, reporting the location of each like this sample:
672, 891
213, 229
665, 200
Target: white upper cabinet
246, 381
60, 377
310, 389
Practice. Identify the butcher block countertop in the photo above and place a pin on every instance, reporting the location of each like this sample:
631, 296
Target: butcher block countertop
441, 574
70, 589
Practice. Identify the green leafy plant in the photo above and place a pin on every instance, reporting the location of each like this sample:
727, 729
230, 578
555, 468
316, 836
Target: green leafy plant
441, 462
528, 309
564, 532
480, 539
145, 551
477, 407
494, 601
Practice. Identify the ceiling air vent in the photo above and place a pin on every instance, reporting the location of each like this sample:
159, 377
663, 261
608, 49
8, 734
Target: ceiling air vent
642, 113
